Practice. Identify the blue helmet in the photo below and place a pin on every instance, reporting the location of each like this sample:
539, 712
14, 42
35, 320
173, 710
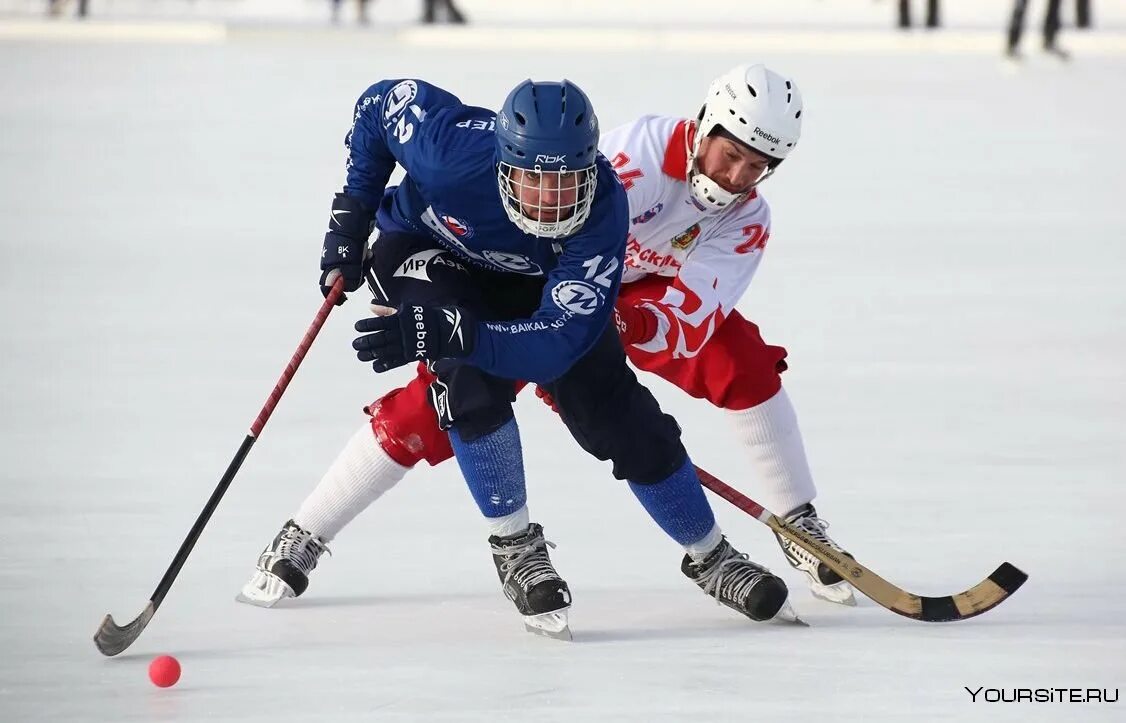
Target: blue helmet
547, 143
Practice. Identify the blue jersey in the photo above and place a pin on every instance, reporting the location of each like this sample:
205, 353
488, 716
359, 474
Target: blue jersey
450, 194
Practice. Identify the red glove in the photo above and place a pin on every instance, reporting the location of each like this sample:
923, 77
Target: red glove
636, 324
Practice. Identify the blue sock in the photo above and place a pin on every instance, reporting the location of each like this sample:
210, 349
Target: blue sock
493, 467
678, 504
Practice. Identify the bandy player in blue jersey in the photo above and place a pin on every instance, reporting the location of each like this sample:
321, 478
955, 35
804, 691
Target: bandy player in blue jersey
499, 258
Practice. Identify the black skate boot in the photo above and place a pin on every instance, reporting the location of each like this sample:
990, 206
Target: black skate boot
531, 582
823, 582
283, 567
732, 579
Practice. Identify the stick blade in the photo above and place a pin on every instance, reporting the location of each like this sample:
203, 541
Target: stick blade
986, 595
111, 639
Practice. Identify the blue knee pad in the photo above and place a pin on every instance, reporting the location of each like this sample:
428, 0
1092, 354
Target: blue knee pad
493, 467
677, 504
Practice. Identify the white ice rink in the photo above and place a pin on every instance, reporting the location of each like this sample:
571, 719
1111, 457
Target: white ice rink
947, 269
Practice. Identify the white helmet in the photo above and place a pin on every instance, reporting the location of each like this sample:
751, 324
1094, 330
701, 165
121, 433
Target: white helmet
758, 107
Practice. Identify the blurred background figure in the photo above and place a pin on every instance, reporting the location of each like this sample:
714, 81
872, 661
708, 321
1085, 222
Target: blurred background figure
431, 8
55, 8
1051, 29
905, 14
1083, 14
361, 11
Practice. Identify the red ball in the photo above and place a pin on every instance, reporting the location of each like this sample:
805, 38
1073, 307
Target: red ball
164, 671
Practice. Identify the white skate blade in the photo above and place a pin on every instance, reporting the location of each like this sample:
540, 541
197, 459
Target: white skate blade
264, 590
787, 614
550, 625
840, 593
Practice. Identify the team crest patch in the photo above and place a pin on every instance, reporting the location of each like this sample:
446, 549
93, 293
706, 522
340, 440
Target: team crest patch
649, 215
684, 240
459, 227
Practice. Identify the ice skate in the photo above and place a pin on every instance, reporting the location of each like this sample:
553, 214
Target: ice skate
733, 580
823, 582
283, 567
531, 582
550, 625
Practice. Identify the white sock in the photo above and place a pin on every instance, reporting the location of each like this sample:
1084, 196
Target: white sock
509, 524
359, 475
700, 549
770, 436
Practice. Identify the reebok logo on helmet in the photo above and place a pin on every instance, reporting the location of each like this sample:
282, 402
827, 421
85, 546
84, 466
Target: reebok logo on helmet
763, 134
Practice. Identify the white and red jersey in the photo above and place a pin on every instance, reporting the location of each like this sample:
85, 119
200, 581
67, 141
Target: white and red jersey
711, 255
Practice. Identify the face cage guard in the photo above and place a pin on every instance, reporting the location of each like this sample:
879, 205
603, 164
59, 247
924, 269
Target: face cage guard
707, 192
568, 218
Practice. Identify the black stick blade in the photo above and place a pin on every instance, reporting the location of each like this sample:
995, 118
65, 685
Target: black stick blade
112, 639
984, 596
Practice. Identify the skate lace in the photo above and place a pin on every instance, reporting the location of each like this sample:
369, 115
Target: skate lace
302, 548
816, 527
731, 578
527, 562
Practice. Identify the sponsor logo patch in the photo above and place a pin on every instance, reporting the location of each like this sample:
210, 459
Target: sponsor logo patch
648, 215
417, 265
516, 263
577, 297
398, 98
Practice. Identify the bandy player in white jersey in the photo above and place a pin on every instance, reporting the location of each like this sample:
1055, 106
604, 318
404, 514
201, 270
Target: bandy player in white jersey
698, 231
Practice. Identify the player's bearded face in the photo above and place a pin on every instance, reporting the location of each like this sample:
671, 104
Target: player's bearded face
545, 197
735, 167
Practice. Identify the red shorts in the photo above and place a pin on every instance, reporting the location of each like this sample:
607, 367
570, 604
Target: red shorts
735, 370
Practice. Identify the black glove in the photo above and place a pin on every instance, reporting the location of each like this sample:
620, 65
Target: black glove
345, 250
415, 333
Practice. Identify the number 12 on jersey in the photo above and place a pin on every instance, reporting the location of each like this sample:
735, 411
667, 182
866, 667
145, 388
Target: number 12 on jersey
601, 276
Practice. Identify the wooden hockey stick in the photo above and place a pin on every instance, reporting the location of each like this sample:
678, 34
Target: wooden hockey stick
986, 595
111, 638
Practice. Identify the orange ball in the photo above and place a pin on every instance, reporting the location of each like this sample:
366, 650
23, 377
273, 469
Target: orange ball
164, 671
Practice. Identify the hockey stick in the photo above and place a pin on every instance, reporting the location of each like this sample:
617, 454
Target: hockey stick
111, 638
986, 595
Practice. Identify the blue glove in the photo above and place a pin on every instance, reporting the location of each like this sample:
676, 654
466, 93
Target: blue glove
345, 250
414, 333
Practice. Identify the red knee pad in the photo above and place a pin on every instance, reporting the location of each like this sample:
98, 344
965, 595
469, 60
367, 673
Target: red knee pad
406, 426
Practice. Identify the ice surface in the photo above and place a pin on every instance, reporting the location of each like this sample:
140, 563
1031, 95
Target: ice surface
947, 270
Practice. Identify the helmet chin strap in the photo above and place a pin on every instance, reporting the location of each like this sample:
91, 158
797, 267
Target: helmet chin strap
709, 194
